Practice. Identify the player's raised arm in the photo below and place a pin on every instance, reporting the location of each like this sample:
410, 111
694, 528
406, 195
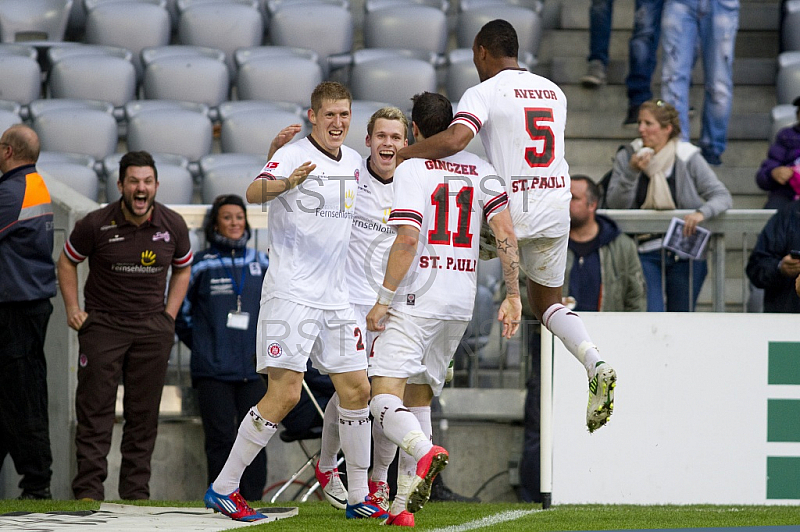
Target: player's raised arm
443, 144
282, 138
401, 255
510, 311
264, 189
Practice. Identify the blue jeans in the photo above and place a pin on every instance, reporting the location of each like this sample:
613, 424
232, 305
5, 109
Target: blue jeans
676, 276
642, 48
712, 24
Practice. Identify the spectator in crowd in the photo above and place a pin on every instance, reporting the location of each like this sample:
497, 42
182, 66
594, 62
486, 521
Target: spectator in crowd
312, 186
779, 173
642, 50
218, 323
713, 25
659, 171
27, 282
603, 269
126, 330
774, 263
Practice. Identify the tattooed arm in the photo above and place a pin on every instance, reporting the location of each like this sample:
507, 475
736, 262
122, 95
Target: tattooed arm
511, 309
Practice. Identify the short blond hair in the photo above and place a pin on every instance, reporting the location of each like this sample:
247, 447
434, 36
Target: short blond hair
388, 113
329, 90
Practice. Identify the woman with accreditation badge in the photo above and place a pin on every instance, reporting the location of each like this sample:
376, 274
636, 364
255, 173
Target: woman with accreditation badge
218, 323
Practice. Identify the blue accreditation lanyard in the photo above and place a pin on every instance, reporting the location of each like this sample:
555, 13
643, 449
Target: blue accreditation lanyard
238, 288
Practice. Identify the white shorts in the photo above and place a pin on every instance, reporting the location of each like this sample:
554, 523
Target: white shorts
419, 349
288, 334
544, 260
368, 336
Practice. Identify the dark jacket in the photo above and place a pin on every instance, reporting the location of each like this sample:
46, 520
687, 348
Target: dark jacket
27, 272
779, 236
220, 352
783, 152
622, 282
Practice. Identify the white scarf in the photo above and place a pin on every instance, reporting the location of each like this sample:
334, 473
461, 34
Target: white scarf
659, 196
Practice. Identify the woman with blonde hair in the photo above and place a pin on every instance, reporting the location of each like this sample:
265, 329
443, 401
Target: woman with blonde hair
659, 171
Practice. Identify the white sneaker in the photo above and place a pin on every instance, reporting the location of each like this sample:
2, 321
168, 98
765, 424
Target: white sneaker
332, 487
601, 396
379, 491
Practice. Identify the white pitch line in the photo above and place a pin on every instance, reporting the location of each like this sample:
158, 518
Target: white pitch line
488, 521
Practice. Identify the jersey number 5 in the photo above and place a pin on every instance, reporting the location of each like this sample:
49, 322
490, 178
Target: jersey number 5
440, 234
536, 119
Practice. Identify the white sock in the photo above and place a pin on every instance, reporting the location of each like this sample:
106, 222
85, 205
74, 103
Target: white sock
404, 479
400, 425
253, 435
423, 415
383, 453
354, 431
330, 435
568, 326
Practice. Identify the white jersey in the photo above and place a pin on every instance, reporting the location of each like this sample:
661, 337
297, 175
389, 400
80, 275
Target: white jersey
309, 226
520, 117
371, 237
447, 200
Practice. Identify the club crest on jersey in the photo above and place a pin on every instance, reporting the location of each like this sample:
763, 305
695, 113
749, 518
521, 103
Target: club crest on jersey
356, 174
411, 299
274, 350
161, 235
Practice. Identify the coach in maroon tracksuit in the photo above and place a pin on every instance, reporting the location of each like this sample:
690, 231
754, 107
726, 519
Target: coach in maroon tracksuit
126, 329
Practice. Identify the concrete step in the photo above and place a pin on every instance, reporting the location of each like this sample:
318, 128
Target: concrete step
746, 70
752, 15
598, 124
614, 98
575, 42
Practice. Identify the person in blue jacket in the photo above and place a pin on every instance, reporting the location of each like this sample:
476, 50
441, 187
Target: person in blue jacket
218, 323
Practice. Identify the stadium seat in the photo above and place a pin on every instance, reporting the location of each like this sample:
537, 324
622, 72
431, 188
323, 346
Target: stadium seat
248, 126
18, 49
406, 26
109, 22
527, 22
223, 24
175, 183
21, 81
86, 127
9, 114
191, 78
243, 55
790, 33
394, 81
781, 116
374, 5
180, 128
75, 170
34, 20
787, 81
274, 5
475, 145
326, 28
228, 173
461, 73
283, 77
104, 73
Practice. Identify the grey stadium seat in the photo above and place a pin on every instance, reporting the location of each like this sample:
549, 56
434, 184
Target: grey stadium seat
34, 20
790, 34
394, 81
325, 28
223, 24
360, 113
74, 170
527, 22
228, 174
406, 26
286, 78
86, 127
787, 81
9, 114
782, 116
249, 126
99, 76
110, 23
21, 81
196, 78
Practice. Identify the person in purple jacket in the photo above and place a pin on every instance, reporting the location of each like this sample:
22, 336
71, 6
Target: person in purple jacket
779, 173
